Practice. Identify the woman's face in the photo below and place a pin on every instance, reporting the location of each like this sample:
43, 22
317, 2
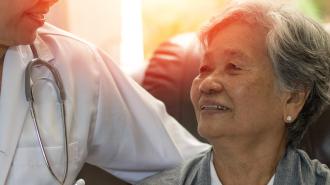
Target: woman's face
236, 94
19, 20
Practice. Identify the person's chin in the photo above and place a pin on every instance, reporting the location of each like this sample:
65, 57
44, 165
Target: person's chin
31, 23
207, 131
28, 32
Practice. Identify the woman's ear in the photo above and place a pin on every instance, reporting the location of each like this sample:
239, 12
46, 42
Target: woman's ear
294, 103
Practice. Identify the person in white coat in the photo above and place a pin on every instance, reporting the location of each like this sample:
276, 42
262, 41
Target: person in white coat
106, 118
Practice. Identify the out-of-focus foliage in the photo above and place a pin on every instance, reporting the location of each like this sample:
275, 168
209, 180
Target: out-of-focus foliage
323, 7
318, 9
310, 8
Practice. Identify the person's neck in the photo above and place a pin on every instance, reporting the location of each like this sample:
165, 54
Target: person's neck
3, 50
247, 162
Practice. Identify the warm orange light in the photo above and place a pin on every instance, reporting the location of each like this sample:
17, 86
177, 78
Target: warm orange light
165, 18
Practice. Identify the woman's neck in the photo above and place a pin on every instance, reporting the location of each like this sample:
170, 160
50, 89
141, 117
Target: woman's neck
247, 163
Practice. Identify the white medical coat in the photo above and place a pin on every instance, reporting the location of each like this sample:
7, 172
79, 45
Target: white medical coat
111, 121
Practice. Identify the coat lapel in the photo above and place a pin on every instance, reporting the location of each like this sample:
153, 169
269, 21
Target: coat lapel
14, 108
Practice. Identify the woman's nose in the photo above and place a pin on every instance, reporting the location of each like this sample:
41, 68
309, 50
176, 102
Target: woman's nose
210, 85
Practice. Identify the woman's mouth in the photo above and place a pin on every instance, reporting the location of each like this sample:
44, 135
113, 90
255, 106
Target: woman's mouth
214, 107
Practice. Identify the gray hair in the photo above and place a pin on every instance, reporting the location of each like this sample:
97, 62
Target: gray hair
298, 47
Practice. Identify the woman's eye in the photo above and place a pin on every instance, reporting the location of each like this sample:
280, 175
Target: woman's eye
235, 67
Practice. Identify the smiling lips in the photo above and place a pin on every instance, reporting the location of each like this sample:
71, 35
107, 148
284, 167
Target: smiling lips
214, 107
39, 17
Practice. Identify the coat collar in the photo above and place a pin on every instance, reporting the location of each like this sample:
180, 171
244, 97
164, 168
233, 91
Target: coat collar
42, 49
14, 108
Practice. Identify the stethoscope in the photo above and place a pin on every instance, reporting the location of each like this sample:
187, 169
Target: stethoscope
58, 86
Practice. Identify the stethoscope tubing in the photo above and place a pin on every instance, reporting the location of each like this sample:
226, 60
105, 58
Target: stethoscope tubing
36, 61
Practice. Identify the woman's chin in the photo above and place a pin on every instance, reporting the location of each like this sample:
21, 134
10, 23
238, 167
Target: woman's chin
208, 132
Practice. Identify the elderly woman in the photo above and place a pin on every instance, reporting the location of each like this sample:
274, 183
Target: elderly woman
263, 79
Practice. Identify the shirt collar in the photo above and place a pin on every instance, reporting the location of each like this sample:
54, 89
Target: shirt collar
215, 179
